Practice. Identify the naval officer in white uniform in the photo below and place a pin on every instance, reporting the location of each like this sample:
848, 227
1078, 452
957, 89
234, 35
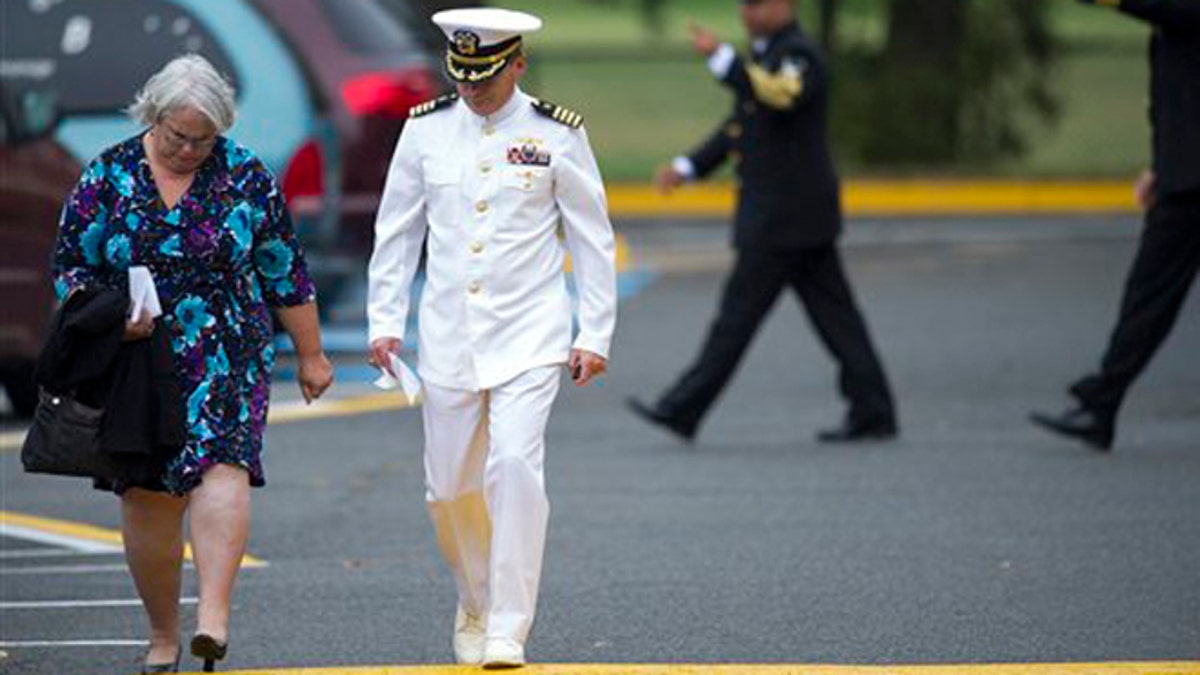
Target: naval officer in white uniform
498, 186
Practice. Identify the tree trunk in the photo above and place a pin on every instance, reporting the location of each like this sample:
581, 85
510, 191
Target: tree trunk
919, 92
828, 33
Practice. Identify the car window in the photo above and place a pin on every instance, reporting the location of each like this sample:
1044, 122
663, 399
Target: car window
95, 54
4, 130
364, 27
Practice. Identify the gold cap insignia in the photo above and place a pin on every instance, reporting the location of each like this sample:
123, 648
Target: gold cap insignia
466, 42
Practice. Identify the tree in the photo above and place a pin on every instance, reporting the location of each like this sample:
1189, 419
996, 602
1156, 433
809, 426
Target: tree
828, 26
955, 78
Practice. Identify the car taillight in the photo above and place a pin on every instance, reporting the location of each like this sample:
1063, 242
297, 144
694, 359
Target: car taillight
388, 94
304, 175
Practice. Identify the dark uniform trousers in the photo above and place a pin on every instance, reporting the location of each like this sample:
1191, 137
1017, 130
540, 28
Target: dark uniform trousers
1163, 270
758, 277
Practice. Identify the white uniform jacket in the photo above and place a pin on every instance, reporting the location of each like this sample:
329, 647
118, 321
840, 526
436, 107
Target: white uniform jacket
487, 195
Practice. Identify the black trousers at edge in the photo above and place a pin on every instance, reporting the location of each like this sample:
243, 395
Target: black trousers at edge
1155, 290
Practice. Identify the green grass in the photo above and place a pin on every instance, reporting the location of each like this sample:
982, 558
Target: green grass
637, 114
1104, 129
647, 99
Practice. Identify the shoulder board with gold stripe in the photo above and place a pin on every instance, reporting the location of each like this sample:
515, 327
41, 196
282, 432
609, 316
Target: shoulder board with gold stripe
559, 114
432, 105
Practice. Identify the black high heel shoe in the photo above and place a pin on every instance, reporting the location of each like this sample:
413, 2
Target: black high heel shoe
207, 647
172, 667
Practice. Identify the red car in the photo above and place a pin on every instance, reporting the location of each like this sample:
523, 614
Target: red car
365, 69
36, 174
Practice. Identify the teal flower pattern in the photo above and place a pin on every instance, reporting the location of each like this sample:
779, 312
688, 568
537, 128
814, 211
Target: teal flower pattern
192, 314
274, 259
218, 365
91, 242
171, 247
117, 251
239, 222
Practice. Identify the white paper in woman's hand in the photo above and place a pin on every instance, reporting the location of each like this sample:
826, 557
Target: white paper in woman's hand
142, 293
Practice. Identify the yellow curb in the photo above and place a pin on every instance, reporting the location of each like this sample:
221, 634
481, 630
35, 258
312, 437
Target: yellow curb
899, 198
1130, 668
89, 533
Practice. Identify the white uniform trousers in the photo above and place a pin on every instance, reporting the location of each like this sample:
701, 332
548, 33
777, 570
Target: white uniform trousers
486, 493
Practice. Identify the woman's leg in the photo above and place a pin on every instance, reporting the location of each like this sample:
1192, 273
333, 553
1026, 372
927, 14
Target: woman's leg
220, 522
152, 528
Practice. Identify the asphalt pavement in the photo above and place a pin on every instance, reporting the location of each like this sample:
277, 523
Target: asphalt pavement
973, 538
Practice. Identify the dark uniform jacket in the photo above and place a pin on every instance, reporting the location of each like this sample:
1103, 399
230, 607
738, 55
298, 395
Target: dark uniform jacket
777, 135
1174, 90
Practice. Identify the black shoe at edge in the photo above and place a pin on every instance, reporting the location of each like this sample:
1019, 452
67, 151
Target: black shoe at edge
850, 432
1079, 423
656, 416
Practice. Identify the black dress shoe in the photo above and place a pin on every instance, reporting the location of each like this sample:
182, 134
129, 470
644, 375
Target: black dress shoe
1088, 426
655, 415
850, 432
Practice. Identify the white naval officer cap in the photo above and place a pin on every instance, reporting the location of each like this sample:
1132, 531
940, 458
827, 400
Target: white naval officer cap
481, 40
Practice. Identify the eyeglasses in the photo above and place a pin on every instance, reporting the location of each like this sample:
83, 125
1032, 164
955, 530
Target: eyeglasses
177, 140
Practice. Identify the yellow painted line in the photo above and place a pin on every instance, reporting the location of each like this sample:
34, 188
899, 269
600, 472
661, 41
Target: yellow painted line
899, 198
1129, 668
91, 533
293, 411
297, 411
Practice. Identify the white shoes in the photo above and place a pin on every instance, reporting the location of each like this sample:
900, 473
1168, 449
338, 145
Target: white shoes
503, 653
470, 634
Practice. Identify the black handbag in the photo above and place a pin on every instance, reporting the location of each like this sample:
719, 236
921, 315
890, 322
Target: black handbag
64, 439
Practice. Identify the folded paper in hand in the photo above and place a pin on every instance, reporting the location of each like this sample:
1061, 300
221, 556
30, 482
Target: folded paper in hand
142, 293
405, 378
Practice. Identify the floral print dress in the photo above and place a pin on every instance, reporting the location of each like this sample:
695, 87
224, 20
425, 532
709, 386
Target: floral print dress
220, 258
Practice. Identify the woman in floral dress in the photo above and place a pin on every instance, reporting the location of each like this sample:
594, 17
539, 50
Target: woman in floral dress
207, 218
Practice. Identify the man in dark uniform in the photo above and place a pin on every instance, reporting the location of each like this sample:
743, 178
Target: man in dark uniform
786, 227
1169, 254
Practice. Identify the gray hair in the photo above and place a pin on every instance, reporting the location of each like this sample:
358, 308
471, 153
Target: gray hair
188, 81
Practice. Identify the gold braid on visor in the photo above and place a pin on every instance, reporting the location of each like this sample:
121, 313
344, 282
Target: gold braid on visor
494, 62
